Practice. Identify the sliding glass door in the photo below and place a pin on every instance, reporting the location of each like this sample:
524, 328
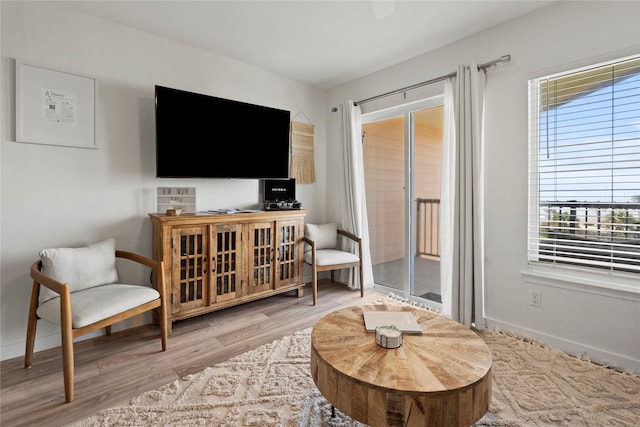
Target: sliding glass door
402, 158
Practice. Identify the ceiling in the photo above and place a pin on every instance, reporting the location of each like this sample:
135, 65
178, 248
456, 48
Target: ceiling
322, 43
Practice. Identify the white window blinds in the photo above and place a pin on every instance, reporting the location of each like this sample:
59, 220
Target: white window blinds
584, 187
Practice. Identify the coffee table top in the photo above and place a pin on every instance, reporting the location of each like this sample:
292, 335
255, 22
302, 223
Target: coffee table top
446, 357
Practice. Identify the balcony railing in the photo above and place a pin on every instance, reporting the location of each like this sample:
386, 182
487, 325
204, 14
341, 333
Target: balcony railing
604, 235
428, 227
592, 219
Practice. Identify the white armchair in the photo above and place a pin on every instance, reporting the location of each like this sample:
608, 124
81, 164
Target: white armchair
78, 288
324, 253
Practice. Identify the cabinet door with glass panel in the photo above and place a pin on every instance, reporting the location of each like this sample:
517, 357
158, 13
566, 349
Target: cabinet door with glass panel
227, 272
190, 268
289, 241
261, 256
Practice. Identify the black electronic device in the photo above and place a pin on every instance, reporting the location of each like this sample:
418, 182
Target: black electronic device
285, 205
202, 136
279, 189
279, 194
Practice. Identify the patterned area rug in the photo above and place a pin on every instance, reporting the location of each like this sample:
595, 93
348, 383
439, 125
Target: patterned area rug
272, 386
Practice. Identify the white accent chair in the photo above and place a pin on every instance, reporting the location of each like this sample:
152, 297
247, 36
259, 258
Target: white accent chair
78, 288
325, 254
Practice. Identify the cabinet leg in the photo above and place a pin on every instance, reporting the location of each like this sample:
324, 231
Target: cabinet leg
300, 292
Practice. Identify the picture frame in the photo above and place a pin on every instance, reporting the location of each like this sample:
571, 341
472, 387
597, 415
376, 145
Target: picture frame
54, 107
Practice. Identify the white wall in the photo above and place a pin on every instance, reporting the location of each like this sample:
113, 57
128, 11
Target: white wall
57, 196
601, 325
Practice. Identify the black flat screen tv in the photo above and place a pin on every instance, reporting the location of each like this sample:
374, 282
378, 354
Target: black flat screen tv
203, 136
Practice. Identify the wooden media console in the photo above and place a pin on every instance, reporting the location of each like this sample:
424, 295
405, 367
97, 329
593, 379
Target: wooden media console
215, 261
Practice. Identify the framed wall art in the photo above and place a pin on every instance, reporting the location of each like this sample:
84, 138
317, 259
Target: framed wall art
54, 107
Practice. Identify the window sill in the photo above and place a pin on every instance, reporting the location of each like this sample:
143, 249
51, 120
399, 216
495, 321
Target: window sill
606, 284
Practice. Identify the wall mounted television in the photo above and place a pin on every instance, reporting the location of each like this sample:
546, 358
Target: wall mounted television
203, 136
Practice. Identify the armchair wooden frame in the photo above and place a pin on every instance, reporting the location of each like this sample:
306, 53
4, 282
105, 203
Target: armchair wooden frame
69, 333
332, 267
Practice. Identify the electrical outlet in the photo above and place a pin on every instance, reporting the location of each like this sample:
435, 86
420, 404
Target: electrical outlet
535, 298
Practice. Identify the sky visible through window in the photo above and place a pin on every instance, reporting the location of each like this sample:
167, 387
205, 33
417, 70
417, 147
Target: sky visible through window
589, 146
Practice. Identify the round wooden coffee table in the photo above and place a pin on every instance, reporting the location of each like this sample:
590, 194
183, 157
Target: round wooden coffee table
439, 378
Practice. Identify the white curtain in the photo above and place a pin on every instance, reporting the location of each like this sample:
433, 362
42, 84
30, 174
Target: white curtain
352, 193
462, 197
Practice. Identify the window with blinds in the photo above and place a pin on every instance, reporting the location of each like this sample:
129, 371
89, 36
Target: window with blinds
584, 186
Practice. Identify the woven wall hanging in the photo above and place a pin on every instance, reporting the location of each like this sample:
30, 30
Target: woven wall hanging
302, 163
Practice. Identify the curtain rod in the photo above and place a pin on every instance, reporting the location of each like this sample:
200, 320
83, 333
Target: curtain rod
501, 60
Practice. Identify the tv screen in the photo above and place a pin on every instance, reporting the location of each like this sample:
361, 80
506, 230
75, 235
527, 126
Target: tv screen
202, 136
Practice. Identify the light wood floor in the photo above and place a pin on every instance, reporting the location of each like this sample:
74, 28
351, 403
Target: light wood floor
113, 369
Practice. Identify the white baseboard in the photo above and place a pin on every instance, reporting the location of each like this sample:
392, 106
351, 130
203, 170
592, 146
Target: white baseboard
596, 355
9, 351
53, 340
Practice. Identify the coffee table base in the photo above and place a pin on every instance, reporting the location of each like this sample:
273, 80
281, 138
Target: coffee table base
379, 408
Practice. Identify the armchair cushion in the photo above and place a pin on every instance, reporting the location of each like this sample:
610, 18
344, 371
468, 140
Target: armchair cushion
324, 235
331, 257
113, 299
81, 268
